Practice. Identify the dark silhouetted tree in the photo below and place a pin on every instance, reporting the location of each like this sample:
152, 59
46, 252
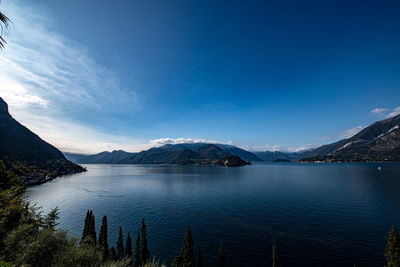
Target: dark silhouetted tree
188, 250
138, 258
392, 252
86, 226
120, 245
92, 232
89, 231
113, 254
144, 251
177, 261
128, 247
186, 256
221, 256
102, 243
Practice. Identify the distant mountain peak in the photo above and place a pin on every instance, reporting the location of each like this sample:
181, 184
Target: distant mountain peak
378, 142
4, 108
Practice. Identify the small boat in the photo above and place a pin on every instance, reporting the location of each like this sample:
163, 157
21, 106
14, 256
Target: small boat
379, 168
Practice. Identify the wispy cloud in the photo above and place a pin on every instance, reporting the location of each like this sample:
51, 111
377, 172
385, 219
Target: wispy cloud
290, 149
350, 132
164, 141
378, 111
395, 112
324, 138
39, 66
49, 81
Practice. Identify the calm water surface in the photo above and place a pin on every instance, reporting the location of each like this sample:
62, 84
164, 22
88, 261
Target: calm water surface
318, 214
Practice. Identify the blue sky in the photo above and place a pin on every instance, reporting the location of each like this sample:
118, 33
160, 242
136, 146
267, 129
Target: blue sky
264, 75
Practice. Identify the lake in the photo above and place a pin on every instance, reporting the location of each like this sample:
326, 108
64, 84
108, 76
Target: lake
318, 214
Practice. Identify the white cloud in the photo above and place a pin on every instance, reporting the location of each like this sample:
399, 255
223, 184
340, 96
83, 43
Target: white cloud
164, 141
378, 111
350, 132
395, 112
324, 138
65, 133
280, 148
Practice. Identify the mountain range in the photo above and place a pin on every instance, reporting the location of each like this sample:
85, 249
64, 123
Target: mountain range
193, 153
30, 157
34, 159
377, 142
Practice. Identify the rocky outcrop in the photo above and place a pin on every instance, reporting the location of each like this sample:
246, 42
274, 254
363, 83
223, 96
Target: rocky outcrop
231, 161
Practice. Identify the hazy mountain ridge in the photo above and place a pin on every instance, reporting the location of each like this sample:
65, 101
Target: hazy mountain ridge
30, 157
192, 153
277, 155
378, 142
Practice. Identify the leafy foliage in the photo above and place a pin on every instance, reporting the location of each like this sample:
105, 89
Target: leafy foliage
392, 252
4, 22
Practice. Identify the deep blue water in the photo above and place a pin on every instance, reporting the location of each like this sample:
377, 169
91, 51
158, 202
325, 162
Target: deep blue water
318, 214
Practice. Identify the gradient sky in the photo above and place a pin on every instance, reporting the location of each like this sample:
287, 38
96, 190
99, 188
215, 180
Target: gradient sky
99, 75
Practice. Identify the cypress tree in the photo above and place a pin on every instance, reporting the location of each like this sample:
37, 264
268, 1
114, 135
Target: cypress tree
120, 245
103, 239
128, 247
199, 259
392, 251
113, 254
85, 227
138, 258
144, 251
186, 256
92, 232
221, 257
274, 255
188, 251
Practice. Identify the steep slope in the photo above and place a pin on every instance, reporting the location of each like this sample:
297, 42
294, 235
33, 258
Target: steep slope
27, 153
105, 157
19, 143
211, 152
186, 156
378, 142
241, 153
